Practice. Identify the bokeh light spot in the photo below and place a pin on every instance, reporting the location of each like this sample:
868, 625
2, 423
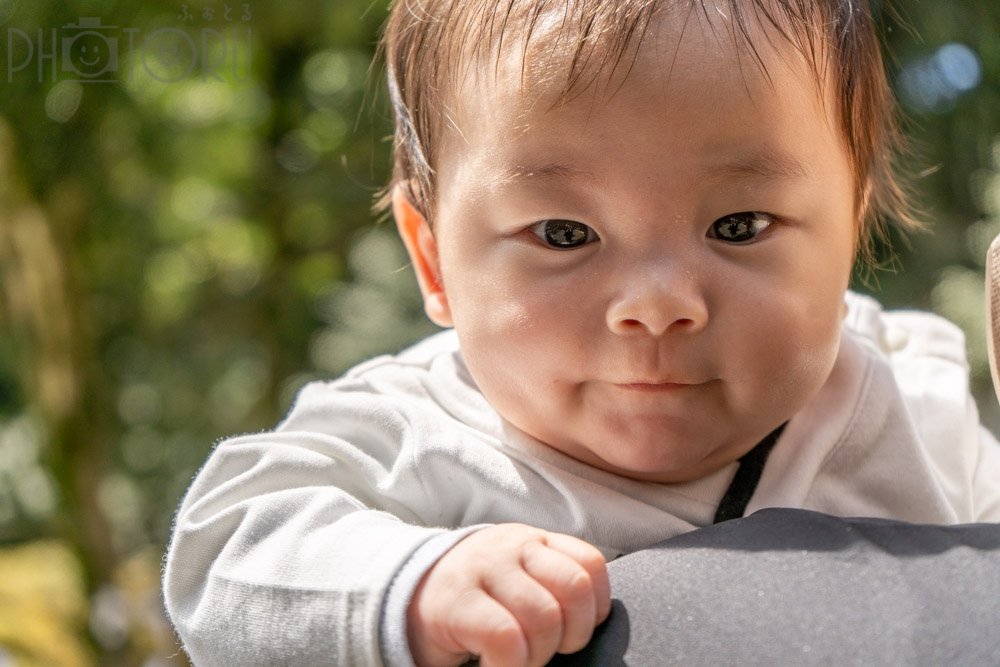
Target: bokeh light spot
63, 101
933, 83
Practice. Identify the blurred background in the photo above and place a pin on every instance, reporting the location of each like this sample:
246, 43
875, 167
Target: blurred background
186, 238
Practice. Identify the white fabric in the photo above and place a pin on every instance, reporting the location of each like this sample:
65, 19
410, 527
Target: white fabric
286, 543
395, 645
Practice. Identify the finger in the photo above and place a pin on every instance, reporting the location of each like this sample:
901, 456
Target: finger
591, 559
537, 611
483, 626
572, 587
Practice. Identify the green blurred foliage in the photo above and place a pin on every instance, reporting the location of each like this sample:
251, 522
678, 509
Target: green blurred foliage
955, 161
184, 245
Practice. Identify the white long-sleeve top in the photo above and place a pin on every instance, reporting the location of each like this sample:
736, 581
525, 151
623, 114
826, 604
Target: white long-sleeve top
286, 544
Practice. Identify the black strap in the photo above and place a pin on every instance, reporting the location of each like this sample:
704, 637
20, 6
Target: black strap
734, 502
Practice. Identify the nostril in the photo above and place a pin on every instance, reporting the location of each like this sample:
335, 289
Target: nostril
632, 324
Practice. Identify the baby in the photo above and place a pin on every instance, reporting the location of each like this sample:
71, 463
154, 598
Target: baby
640, 218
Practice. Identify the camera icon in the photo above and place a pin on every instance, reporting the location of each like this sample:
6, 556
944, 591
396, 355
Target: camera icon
92, 51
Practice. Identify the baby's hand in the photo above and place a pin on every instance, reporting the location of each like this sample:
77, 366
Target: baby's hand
510, 594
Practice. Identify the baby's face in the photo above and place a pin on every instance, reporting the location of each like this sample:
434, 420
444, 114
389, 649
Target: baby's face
650, 281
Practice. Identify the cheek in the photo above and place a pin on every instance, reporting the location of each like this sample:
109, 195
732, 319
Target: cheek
497, 302
519, 337
492, 312
516, 349
803, 342
785, 333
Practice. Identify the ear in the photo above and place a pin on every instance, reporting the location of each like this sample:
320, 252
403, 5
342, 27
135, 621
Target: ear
422, 248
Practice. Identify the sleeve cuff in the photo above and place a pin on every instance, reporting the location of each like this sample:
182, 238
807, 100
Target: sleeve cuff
392, 627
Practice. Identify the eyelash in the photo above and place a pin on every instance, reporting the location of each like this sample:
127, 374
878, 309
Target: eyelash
736, 228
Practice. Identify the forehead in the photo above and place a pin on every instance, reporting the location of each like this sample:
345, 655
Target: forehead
562, 49
689, 64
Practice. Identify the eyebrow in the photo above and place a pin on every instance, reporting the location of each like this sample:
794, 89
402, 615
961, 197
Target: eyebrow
764, 164
541, 172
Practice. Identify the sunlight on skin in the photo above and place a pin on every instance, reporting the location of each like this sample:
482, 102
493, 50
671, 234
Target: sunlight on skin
656, 330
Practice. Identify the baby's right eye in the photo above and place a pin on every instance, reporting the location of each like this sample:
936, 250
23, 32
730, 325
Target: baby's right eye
563, 234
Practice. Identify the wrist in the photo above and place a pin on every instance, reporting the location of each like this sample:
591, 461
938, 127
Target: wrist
394, 623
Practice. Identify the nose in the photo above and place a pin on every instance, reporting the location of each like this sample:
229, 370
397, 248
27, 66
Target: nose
657, 300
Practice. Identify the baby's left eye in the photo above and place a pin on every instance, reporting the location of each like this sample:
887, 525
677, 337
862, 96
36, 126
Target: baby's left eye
740, 227
564, 234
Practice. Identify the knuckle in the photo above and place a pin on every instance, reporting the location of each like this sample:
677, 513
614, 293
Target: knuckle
574, 644
528, 532
579, 584
501, 635
506, 538
547, 617
592, 559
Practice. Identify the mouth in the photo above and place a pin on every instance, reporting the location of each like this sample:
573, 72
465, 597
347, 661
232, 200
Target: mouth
653, 387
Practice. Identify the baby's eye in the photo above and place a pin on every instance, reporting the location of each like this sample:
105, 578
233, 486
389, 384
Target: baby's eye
563, 234
740, 227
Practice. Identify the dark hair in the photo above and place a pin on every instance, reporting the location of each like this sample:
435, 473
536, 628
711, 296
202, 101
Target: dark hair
426, 43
